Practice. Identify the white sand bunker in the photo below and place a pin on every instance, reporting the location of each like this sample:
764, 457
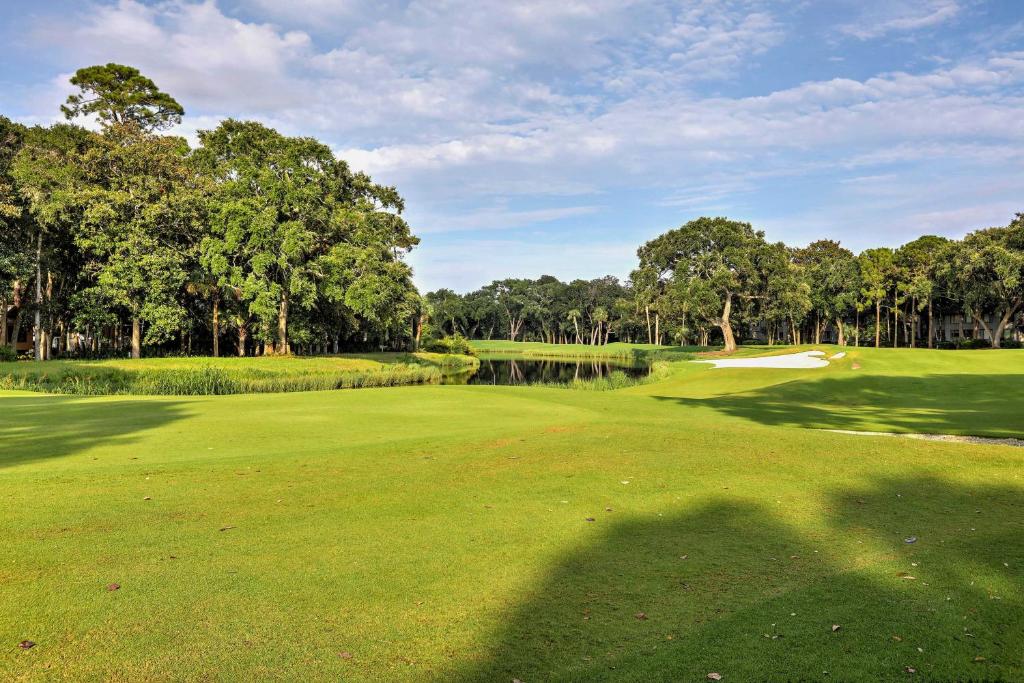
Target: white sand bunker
806, 359
841, 354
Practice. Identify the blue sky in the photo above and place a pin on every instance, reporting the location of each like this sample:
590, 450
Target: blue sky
531, 136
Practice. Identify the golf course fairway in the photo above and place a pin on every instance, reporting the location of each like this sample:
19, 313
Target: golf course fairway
708, 522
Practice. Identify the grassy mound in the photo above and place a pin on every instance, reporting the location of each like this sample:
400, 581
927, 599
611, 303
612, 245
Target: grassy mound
216, 376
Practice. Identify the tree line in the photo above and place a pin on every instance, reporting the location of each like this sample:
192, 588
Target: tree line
119, 237
123, 237
717, 280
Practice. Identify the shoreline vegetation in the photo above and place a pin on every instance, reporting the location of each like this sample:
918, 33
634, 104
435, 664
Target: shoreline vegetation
204, 376
616, 350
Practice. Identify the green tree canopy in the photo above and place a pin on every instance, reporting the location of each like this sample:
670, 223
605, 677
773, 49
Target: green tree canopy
292, 226
119, 95
720, 254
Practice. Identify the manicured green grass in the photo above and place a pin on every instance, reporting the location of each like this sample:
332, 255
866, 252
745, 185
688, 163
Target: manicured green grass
441, 532
214, 376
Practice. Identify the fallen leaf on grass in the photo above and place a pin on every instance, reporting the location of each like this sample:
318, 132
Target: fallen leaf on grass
714, 676
910, 669
147, 498
26, 645
897, 639
910, 539
979, 658
835, 627
641, 616
345, 655
590, 519
113, 586
225, 528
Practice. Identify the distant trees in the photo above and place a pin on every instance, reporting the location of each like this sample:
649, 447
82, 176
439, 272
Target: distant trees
545, 309
833, 280
918, 264
715, 275
268, 236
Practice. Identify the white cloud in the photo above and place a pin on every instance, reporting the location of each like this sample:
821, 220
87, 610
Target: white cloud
897, 16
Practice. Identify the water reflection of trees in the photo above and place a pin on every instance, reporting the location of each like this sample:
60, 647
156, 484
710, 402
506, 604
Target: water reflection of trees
529, 371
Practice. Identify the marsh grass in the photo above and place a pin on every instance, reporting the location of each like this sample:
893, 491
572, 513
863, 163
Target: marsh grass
219, 376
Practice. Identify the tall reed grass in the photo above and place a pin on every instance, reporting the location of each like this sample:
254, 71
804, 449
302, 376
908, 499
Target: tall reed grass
207, 377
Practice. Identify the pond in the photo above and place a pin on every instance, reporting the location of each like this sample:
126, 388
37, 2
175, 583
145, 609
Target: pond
514, 370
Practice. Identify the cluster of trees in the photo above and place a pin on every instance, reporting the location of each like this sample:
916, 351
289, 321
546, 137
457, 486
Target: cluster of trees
546, 309
714, 277
123, 236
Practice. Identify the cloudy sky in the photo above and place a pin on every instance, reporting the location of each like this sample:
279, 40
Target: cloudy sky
533, 136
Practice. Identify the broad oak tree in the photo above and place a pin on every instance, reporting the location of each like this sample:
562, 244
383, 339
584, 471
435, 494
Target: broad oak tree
986, 269
719, 254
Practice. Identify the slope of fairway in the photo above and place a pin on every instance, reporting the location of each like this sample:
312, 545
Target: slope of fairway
660, 532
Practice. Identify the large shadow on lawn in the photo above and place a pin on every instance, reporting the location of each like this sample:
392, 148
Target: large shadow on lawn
982, 405
755, 600
41, 427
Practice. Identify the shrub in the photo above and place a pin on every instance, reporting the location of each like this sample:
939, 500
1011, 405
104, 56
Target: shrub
7, 354
456, 344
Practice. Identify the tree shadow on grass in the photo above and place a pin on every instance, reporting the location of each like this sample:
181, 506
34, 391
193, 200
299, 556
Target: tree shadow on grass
981, 405
757, 600
44, 427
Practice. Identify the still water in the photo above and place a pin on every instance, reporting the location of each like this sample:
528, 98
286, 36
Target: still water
505, 370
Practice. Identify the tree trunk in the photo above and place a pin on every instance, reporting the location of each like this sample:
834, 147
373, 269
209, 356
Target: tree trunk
647, 313
657, 328
895, 323
216, 326
726, 326
38, 330
1004, 321
841, 333
913, 321
282, 326
878, 323
931, 324
136, 338
817, 328
3, 320
243, 335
